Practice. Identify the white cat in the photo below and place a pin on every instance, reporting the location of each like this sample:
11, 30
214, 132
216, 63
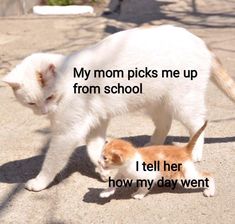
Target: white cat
41, 84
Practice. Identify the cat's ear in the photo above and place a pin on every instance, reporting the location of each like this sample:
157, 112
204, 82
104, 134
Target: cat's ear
51, 70
45, 77
9, 79
109, 139
117, 157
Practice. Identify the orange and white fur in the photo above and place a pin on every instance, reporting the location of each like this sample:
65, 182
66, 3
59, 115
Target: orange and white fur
44, 83
122, 155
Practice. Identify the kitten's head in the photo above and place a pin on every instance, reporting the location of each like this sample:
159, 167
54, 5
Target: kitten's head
32, 82
116, 153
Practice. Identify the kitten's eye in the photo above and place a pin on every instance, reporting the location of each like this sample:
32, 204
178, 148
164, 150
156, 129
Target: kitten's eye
105, 158
50, 98
31, 104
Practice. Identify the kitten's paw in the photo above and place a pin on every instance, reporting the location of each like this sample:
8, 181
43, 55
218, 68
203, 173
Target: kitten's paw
104, 174
137, 196
36, 184
107, 193
209, 192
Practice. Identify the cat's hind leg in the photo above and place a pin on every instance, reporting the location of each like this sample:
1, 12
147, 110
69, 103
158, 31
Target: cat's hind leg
210, 190
162, 120
198, 148
193, 123
191, 113
206, 180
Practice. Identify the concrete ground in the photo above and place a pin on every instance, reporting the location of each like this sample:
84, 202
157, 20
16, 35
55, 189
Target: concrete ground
74, 198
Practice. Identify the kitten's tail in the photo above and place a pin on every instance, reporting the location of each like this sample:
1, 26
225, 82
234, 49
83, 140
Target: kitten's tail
222, 79
193, 140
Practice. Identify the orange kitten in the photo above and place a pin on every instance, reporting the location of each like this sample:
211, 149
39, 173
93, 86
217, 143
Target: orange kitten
122, 155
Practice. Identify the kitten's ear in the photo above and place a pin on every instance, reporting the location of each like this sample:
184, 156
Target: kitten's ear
11, 81
117, 158
44, 77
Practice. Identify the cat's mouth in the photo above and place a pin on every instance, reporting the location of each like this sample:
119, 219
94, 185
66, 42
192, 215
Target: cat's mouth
39, 112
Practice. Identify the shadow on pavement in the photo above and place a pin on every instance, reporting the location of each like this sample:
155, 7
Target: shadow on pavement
192, 13
124, 193
20, 171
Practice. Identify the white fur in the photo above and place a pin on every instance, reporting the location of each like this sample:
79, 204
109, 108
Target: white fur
190, 170
80, 118
210, 192
24, 75
192, 173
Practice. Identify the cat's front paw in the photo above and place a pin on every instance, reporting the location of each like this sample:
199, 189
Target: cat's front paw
104, 174
36, 184
107, 193
138, 196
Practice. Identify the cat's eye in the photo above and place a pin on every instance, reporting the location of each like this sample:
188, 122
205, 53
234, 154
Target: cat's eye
31, 104
50, 98
105, 158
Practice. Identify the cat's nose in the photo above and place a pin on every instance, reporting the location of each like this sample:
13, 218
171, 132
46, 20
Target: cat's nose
44, 110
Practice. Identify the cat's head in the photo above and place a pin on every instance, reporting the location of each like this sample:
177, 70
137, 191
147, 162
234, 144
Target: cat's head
32, 82
116, 153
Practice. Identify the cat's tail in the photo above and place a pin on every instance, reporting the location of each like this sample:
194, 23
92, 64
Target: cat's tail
222, 79
193, 140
